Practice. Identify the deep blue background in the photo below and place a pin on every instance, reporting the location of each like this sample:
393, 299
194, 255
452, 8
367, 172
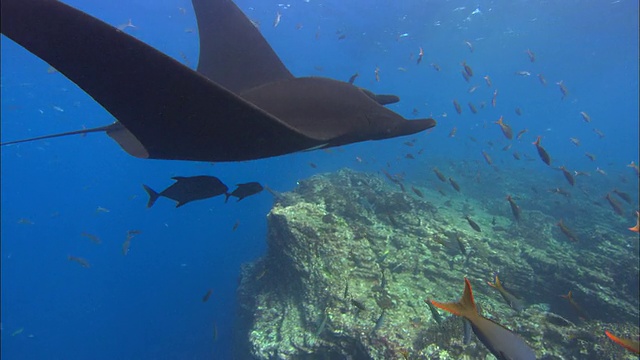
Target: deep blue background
148, 304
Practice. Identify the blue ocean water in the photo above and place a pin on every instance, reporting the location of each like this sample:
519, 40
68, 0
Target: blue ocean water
148, 304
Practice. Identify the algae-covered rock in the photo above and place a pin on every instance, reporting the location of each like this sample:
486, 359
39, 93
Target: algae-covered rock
351, 259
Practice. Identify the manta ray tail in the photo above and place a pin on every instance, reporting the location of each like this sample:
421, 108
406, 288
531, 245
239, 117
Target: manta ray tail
83, 131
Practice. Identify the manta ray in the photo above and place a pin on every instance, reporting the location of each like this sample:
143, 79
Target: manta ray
241, 103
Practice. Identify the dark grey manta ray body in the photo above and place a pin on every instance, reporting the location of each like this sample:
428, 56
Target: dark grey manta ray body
242, 103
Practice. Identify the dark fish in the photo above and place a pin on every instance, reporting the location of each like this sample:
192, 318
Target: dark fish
506, 129
457, 106
453, 132
599, 133
244, 190
581, 314
590, 156
516, 155
532, 55
542, 152
515, 209
235, 225
420, 55
466, 335
473, 108
379, 322
467, 69
543, 81
82, 261
473, 224
313, 165
585, 116
454, 184
232, 108
629, 344
567, 232
126, 245
518, 111
465, 76
439, 175
434, 312
342, 37
95, 239
520, 133
461, 245
207, 295
487, 158
513, 301
567, 175
187, 189
563, 88
615, 205
358, 304
417, 191
500, 341
409, 156
623, 195
353, 78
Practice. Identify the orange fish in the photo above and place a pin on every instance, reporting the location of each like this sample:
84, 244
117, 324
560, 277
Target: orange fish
631, 345
502, 342
506, 129
637, 227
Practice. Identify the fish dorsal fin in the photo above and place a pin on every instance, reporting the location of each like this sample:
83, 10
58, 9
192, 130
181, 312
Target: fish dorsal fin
233, 53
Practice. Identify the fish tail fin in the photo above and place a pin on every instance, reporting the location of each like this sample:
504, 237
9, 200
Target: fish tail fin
537, 142
499, 122
226, 197
466, 307
568, 296
496, 284
153, 196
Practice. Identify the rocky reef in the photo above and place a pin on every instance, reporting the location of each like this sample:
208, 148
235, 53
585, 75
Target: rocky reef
351, 259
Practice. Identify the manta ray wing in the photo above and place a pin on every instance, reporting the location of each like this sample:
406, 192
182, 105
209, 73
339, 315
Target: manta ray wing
173, 111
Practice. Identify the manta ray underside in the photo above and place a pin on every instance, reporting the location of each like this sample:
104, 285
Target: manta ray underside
241, 104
